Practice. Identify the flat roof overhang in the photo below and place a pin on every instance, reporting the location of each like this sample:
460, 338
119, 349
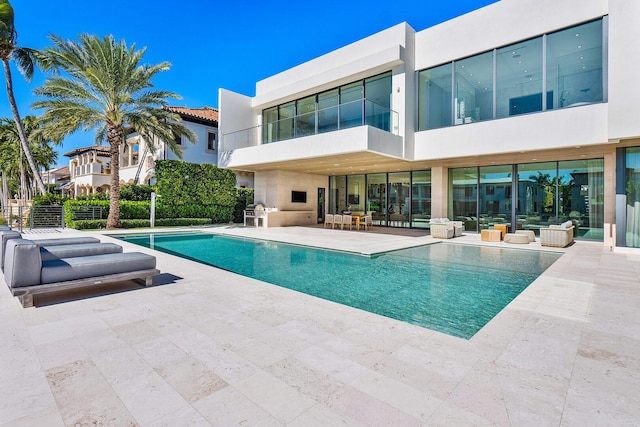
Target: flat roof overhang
362, 149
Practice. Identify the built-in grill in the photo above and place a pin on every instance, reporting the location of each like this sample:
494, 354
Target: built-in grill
255, 212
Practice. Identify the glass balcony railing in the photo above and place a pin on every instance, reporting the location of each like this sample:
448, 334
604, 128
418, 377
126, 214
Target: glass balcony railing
352, 114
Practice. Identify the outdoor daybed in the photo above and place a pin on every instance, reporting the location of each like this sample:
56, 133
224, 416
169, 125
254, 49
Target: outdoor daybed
557, 236
5, 236
27, 272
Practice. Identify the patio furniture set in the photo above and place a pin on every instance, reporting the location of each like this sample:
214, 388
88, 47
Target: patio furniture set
350, 221
42, 266
559, 236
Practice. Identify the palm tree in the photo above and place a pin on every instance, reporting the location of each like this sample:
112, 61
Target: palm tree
12, 162
24, 60
99, 83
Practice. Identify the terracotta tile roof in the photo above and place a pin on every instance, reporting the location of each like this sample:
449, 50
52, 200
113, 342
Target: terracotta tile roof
101, 149
204, 113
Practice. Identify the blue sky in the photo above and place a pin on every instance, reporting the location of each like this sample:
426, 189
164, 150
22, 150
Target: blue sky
212, 44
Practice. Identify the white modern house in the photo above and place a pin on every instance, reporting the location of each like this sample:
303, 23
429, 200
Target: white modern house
90, 166
523, 112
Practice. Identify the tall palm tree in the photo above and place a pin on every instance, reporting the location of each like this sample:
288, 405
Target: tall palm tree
23, 58
100, 83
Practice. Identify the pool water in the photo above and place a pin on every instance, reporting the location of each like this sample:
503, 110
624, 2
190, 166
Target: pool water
451, 288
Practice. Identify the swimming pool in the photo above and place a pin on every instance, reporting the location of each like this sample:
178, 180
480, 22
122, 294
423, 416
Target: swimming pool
451, 288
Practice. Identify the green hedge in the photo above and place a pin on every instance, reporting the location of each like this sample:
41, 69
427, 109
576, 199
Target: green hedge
141, 223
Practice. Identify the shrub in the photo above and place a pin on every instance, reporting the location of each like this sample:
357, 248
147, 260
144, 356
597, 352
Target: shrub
136, 193
244, 197
141, 223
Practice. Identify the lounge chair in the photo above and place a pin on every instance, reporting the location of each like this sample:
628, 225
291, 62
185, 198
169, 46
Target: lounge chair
558, 236
28, 274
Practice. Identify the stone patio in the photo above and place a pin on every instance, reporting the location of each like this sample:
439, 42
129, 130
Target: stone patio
208, 347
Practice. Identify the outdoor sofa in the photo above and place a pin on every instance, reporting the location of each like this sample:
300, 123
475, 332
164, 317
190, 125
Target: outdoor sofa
558, 236
31, 269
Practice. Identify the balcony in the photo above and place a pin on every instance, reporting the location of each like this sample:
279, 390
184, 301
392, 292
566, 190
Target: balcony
362, 112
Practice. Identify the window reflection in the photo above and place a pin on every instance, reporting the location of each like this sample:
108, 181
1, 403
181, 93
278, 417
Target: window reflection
474, 89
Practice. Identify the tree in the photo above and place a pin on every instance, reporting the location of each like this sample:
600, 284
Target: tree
100, 83
23, 58
13, 163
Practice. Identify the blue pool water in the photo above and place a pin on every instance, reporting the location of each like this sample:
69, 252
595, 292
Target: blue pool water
451, 288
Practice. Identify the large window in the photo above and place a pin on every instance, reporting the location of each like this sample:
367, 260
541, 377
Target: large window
420, 199
632, 183
463, 196
435, 97
474, 89
495, 195
364, 102
513, 80
399, 199
574, 65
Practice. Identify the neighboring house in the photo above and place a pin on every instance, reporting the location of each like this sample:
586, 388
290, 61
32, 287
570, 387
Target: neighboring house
522, 112
90, 166
60, 177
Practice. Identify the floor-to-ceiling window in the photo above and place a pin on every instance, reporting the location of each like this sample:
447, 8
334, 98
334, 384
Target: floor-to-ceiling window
536, 195
355, 193
473, 96
519, 79
632, 180
557, 70
377, 91
463, 196
420, 199
435, 97
495, 196
574, 65
337, 194
377, 197
399, 199
328, 110
581, 196
306, 116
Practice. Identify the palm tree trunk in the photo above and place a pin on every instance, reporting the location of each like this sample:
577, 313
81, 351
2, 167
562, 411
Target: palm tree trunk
114, 138
16, 117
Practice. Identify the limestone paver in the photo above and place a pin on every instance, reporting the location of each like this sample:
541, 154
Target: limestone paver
207, 347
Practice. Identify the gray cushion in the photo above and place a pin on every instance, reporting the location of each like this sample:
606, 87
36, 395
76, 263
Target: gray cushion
5, 236
85, 249
22, 267
62, 270
65, 241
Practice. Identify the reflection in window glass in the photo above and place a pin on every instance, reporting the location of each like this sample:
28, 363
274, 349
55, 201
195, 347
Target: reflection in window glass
328, 111
351, 105
581, 196
355, 193
519, 79
536, 195
306, 116
337, 194
286, 113
434, 109
399, 199
463, 184
420, 199
473, 100
269, 125
377, 90
633, 196
495, 196
377, 197
574, 65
